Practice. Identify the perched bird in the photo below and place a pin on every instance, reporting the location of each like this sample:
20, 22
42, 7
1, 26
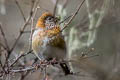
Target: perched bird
48, 42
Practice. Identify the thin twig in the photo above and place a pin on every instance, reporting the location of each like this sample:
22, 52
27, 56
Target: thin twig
65, 19
1, 65
27, 32
21, 33
23, 28
4, 37
86, 57
35, 9
21, 55
55, 8
65, 4
21, 11
23, 70
32, 10
3, 46
73, 16
34, 67
44, 65
24, 75
45, 73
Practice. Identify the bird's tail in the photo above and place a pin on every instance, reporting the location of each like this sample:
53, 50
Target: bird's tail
65, 68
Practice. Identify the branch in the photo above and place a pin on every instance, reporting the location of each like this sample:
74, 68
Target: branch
20, 10
24, 27
22, 30
20, 34
55, 8
4, 37
23, 76
1, 64
43, 64
35, 9
45, 73
21, 55
22, 70
73, 16
65, 19
3, 46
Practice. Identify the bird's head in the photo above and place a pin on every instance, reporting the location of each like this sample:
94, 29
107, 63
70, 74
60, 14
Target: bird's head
47, 21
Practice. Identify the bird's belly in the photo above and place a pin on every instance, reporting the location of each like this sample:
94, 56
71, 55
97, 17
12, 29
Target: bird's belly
49, 47
54, 52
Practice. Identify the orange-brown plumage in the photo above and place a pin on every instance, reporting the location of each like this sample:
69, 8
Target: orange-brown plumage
40, 22
47, 41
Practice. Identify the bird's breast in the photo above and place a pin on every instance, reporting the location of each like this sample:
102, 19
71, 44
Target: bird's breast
48, 41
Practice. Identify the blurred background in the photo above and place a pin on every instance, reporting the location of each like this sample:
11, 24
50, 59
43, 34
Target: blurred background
94, 31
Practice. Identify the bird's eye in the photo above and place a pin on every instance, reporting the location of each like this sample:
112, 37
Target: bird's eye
52, 25
49, 18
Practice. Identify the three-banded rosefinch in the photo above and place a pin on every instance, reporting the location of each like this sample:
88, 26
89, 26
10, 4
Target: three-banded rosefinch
48, 42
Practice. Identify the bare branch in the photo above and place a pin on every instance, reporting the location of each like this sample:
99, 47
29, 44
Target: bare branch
45, 63
3, 46
55, 8
65, 4
73, 16
21, 11
65, 19
45, 73
4, 37
20, 34
24, 75
24, 26
27, 32
35, 9
21, 55
1, 64
23, 70
22, 30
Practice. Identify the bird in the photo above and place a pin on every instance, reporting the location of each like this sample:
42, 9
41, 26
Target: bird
48, 42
